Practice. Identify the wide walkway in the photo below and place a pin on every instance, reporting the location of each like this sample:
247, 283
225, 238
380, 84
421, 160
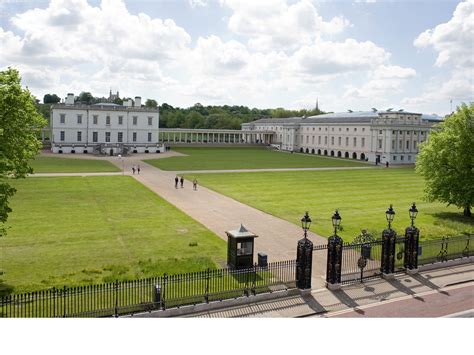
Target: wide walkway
442, 292
276, 237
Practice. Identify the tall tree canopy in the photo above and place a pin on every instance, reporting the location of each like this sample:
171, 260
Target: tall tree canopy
446, 160
19, 127
150, 103
51, 99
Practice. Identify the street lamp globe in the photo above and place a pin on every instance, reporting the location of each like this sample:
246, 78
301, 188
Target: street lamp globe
305, 223
390, 215
413, 213
336, 221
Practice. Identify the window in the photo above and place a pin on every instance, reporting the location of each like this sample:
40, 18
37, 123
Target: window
107, 120
79, 136
380, 132
319, 128
107, 137
421, 133
95, 137
393, 144
355, 129
135, 119
325, 128
313, 128
340, 129
95, 119
149, 136
339, 141
301, 139
332, 140
62, 134
347, 141
393, 132
408, 144
307, 139
394, 158
134, 136
409, 158
401, 132
400, 145
380, 144
363, 142
120, 120
326, 140
244, 248
62, 118
319, 139
150, 121
332, 129
355, 141
79, 119
401, 157
120, 137
312, 140
363, 129
414, 145
347, 129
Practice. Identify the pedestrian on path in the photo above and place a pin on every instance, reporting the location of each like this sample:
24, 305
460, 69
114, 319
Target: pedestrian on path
386, 164
181, 181
138, 169
195, 184
176, 179
133, 169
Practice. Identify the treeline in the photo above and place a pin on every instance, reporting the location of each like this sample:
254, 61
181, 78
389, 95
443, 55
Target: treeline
221, 117
196, 116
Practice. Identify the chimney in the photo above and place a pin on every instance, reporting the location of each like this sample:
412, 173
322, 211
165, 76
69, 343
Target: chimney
138, 101
70, 99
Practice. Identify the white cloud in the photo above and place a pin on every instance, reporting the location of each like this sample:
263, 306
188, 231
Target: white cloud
197, 3
454, 40
275, 25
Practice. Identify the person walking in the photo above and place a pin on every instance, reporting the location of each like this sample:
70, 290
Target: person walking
195, 184
181, 181
386, 164
176, 182
133, 169
138, 169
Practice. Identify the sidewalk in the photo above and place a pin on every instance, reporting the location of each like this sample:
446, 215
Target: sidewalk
385, 295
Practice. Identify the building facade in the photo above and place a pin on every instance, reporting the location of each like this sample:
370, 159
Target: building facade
379, 137
104, 128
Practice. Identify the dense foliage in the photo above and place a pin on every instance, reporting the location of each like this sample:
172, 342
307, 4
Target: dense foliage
446, 160
19, 126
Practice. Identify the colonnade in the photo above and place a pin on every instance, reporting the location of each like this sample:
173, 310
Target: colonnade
192, 136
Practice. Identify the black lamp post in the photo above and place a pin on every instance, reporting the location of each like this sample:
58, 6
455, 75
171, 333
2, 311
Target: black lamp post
336, 221
413, 212
305, 224
390, 215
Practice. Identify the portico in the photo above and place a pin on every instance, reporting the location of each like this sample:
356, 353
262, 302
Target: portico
214, 136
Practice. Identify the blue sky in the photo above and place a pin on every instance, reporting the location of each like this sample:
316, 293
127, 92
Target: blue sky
268, 53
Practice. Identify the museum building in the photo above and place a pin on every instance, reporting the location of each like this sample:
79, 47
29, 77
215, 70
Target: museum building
375, 136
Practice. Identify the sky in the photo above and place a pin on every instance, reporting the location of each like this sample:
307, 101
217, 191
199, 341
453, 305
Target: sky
411, 55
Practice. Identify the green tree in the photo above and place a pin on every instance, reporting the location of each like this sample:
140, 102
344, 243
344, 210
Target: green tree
51, 99
86, 98
20, 124
446, 160
150, 103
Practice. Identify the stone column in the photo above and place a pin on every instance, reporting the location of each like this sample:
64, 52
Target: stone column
304, 262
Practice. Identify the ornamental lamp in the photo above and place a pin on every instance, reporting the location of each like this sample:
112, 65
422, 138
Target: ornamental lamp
305, 223
390, 215
413, 213
336, 221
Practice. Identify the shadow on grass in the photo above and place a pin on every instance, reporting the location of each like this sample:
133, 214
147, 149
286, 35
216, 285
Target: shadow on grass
5, 289
457, 217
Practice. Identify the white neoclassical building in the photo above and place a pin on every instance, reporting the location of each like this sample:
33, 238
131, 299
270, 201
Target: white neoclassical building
104, 128
387, 136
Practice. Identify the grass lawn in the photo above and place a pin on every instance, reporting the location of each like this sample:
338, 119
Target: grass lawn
362, 197
245, 158
82, 230
64, 165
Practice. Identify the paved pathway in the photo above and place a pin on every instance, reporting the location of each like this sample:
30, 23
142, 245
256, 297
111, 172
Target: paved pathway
269, 170
276, 237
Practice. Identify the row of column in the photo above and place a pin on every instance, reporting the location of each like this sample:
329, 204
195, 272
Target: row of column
209, 137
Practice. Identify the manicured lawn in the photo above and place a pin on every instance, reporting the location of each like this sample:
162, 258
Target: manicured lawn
64, 165
362, 197
83, 230
245, 158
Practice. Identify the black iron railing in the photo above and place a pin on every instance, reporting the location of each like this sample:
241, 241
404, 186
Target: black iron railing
444, 249
128, 297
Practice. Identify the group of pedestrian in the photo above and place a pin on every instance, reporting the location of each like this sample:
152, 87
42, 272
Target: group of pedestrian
136, 168
180, 180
